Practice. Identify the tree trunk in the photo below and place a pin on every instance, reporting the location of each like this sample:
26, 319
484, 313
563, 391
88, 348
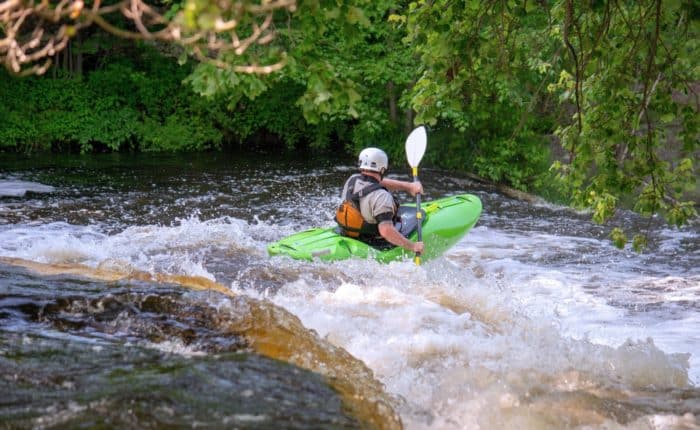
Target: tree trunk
78, 63
393, 110
409, 120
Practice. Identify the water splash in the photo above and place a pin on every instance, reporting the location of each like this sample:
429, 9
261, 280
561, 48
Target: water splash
460, 354
17, 188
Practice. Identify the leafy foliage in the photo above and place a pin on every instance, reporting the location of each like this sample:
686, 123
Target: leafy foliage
599, 99
134, 103
482, 68
626, 77
632, 73
347, 67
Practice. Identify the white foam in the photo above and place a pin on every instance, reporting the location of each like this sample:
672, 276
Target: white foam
463, 339
15, 188
175, 347
176, 249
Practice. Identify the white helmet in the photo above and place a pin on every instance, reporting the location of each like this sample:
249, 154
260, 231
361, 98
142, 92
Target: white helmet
374, 159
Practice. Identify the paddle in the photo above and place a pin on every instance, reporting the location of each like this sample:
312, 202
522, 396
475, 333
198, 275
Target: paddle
415, 148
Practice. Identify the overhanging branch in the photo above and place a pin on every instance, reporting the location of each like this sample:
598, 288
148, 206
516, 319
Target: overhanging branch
32, 32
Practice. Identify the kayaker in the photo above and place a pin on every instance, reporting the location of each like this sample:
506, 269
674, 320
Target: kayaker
369, 210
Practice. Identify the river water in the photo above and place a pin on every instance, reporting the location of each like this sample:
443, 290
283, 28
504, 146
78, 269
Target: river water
135, 291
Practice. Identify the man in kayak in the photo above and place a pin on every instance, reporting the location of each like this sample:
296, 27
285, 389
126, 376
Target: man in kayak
368, 210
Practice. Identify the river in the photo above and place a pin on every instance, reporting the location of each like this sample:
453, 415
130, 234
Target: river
136, 291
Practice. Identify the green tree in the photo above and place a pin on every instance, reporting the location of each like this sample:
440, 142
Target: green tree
632, 72
626, 75
349, 64
130, 102
483, 67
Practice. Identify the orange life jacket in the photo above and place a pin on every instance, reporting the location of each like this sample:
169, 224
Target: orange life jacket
348, 215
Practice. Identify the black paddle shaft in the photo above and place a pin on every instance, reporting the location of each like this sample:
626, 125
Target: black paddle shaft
419, 216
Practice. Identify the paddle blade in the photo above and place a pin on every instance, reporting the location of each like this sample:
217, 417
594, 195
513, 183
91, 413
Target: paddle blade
415, 146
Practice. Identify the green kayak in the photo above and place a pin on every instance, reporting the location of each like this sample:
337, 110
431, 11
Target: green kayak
445, 222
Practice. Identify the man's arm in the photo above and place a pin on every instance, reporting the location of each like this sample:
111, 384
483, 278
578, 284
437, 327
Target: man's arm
410, 187
389, 232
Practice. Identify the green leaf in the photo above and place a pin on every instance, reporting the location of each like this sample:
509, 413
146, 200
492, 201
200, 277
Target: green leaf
355, 15
639, 242
618, 238
668, 117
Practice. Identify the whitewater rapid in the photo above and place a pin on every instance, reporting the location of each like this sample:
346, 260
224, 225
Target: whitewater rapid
529, 322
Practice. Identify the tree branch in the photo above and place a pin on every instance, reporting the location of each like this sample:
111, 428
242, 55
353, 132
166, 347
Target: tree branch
29, 36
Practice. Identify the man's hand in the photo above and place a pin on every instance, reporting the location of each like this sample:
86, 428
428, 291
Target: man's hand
418, 247
415, 188
389, 232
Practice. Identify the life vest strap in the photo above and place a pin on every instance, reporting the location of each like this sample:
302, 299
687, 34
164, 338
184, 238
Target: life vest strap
348, 215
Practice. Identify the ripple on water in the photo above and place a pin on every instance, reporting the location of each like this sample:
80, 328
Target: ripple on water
533, 321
